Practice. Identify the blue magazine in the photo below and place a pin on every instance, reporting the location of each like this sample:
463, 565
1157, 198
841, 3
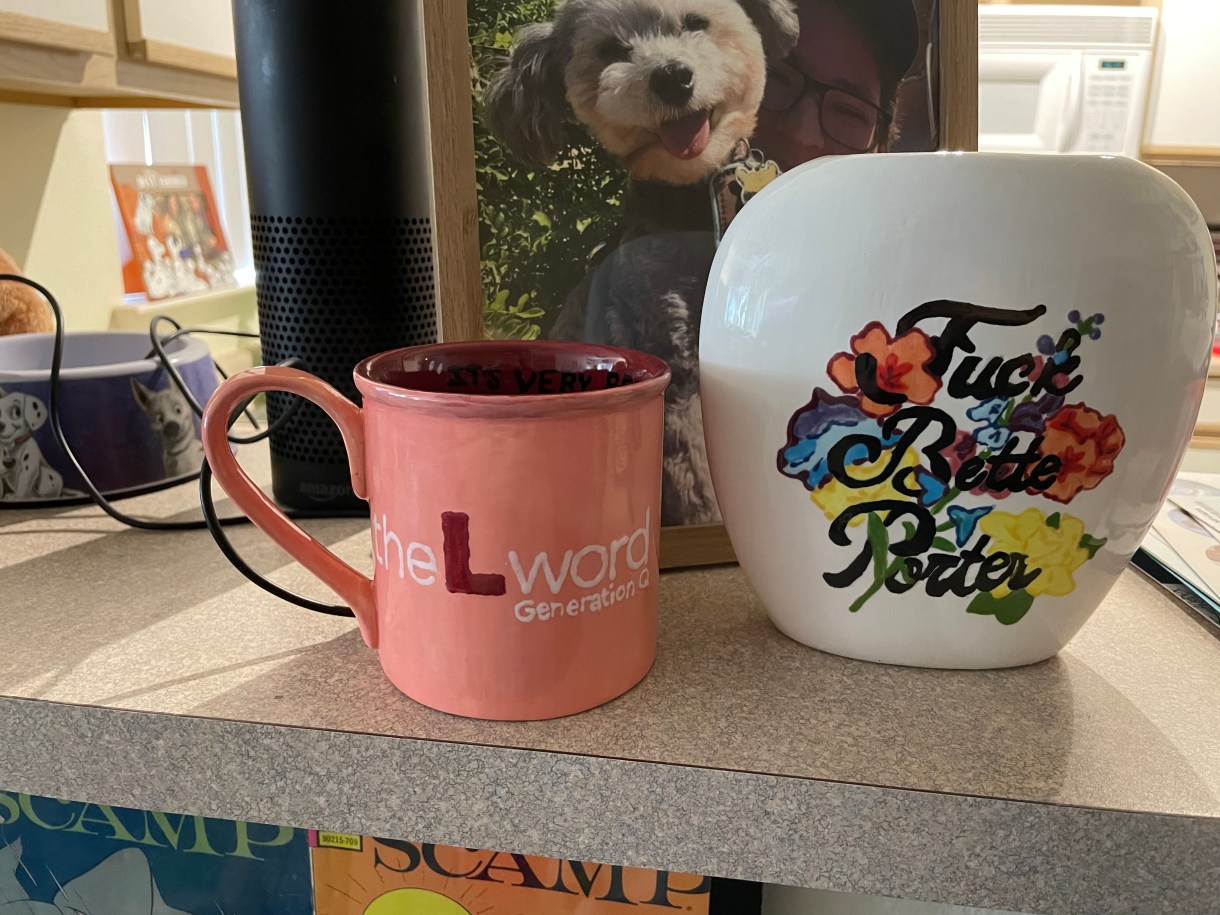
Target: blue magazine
73, 858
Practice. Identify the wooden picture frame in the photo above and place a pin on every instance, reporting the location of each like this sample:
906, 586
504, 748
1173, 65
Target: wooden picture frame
455, 201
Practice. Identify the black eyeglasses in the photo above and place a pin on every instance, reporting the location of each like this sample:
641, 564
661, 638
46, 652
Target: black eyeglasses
853, 122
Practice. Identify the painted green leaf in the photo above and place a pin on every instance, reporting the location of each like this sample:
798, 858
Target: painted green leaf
880, 542
945, 546
542, 219
1007, 610
1092, 544
1053, 520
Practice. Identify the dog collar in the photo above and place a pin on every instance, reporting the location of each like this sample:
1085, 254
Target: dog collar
23, 439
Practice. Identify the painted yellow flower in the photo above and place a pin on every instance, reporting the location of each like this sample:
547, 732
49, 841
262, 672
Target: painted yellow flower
1054, 550
834, 497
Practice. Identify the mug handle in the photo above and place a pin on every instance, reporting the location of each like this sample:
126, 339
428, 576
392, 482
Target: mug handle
354, 588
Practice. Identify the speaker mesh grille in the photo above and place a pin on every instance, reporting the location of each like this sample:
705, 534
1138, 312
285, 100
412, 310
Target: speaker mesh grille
332, 291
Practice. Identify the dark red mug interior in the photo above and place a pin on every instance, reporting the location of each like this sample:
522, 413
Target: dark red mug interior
512, 368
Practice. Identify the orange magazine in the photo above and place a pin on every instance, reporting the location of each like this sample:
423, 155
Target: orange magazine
176, 237
361, 875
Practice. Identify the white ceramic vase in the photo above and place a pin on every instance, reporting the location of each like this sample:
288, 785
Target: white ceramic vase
945, 394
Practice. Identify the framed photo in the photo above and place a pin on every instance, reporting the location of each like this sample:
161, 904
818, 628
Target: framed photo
589, 154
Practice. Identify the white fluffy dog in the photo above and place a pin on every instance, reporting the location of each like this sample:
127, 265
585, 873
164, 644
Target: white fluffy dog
25, 474
667, 86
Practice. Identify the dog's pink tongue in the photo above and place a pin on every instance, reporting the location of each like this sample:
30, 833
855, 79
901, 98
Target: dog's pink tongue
686, 138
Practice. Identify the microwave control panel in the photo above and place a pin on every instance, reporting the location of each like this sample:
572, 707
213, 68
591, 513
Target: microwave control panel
1112, 84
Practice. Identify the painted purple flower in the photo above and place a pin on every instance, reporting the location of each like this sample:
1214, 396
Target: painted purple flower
825, 411
1074, 316
1046, 345
1032, 416
817, 428
961, 450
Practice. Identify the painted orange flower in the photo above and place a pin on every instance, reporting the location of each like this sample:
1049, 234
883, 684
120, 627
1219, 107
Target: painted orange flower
901, 367
1087, 443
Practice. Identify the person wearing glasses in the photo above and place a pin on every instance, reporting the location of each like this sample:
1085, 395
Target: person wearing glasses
836, 93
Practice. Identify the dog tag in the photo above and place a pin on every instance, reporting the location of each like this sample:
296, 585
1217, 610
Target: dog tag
746, 173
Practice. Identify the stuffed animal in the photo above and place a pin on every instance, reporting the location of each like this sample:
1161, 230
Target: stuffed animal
22, 309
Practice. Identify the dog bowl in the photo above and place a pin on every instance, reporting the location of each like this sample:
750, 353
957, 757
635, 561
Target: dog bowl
129, 426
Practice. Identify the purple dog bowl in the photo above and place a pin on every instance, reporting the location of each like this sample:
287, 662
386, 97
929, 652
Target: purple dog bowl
130, 428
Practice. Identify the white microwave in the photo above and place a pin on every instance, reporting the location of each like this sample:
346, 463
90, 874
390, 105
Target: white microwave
1064, 79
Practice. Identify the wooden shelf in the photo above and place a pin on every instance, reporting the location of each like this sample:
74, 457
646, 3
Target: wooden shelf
140, 669
172, 55
63, 35
1205, 156
41, 75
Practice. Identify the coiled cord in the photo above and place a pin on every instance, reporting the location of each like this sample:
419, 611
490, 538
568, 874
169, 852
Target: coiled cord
211, 521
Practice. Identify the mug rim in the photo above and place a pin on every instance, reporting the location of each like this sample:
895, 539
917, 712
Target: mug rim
656, 380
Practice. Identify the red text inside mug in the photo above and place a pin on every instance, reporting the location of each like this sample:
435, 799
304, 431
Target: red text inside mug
512, 369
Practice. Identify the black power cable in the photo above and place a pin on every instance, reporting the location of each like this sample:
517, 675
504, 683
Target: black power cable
211, 521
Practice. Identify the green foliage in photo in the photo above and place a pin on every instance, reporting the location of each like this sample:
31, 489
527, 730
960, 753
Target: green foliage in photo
538, 225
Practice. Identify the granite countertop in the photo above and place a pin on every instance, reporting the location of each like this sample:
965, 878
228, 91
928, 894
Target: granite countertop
140, 669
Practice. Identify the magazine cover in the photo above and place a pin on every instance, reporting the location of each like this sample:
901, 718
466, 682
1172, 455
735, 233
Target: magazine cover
68, 858
176, 239
362, 875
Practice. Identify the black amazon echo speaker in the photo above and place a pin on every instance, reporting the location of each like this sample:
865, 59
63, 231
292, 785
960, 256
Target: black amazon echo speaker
335, 125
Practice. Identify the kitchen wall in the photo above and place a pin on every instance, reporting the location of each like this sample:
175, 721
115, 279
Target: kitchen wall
1203, 184
56, 210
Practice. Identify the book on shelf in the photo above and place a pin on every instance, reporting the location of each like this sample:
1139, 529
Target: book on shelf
72, 858
175, 240
1181, 551
364, 875
75, 858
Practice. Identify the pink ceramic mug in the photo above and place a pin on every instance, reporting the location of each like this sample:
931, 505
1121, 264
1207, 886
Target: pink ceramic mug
515, 491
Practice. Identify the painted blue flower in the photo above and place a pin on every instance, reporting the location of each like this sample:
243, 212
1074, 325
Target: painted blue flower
816, 429
988, 411
965, 520
993, 437
933, 488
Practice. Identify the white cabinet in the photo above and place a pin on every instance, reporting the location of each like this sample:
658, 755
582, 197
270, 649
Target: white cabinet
192, 36
1184, 111
75, 25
